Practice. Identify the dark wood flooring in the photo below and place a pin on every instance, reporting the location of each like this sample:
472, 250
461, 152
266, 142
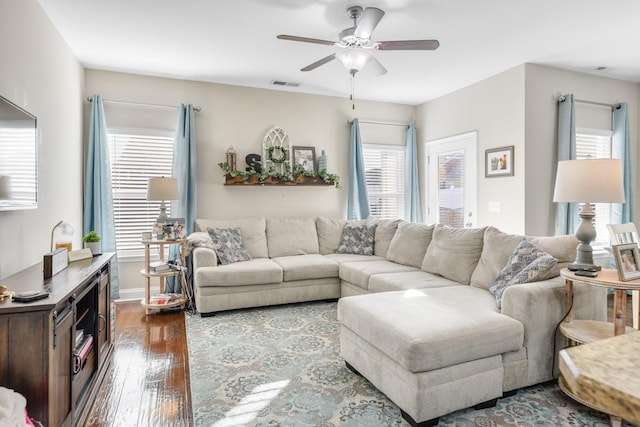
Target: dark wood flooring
148, 381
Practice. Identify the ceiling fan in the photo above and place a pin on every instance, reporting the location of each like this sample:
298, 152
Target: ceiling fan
357, 45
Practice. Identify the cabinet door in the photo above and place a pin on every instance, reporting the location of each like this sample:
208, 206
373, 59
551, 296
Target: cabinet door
61, 405
104, 316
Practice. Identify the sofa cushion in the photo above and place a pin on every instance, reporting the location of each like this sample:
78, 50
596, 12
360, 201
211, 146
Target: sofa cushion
526, 264
498, 246
227, 243
358, 273
304, 267
357, 239
340, 258
329, 233
454, 252
410, 243
255, 272
387, 282
430, 329
291, 237
385, 230
254, 237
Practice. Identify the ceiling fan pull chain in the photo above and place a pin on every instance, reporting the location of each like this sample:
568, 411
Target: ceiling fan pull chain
353, 90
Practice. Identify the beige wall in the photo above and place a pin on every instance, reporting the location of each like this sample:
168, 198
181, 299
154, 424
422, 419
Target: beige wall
518, 107
40, 74
543, 84
495, 109
240, 116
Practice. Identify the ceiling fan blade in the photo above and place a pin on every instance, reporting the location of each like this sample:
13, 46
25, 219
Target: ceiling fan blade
409, 45
368, 22
319, 63
305, 39
376, 66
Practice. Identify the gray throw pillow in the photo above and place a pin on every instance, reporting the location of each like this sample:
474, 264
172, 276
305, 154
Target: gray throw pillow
526, 264
227, 242
357, 239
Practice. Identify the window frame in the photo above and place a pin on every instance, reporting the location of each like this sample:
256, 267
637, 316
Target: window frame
136, 253
399, 195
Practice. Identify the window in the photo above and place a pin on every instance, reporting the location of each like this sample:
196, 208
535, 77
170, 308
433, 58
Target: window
596, 143
136, 157
384, 173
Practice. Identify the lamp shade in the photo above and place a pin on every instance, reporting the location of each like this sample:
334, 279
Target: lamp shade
162, 189
354, 59
589, 181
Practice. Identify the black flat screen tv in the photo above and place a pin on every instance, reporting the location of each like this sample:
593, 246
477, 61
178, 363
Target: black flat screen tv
18, 158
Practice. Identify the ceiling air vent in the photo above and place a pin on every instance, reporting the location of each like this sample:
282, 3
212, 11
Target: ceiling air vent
281, 83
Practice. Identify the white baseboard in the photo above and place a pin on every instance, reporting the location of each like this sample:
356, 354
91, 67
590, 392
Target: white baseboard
131, 294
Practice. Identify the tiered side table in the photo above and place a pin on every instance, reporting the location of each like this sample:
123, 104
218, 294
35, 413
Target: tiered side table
148, 274
587, 331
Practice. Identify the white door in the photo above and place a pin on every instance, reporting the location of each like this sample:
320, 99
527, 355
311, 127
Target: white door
451, 180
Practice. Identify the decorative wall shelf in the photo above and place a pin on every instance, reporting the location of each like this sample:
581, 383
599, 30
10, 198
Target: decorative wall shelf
299, 180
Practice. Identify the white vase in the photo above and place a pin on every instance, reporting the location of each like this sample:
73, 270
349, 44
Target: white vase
94, 246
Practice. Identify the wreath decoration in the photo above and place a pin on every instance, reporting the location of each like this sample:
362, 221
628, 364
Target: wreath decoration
278, 154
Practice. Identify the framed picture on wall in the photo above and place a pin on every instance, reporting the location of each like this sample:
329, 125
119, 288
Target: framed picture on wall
305, 157
498, 162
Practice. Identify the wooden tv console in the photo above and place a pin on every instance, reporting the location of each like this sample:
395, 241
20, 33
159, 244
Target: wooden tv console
38, 354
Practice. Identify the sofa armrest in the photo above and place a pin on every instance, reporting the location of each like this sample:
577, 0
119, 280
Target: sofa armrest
204, 257
540, 308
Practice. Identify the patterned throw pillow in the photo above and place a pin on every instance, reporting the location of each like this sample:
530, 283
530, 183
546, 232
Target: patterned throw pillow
227, 242
526, 264
357, 239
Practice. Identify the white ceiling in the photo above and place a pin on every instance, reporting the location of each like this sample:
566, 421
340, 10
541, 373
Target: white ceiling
234, 41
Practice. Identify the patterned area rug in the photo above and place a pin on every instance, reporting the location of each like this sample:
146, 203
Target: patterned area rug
280, 366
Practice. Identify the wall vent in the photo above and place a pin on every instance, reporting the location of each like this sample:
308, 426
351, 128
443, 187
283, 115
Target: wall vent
281, 83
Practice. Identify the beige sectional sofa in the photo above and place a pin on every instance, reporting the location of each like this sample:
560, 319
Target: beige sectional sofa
418, 317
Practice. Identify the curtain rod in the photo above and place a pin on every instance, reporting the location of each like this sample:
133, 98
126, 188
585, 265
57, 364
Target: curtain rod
140, 104
373, 122
582, 101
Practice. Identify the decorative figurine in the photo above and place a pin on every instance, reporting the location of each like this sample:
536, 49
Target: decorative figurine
322, 161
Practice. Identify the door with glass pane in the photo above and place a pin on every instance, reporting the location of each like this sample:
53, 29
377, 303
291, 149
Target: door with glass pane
451, 180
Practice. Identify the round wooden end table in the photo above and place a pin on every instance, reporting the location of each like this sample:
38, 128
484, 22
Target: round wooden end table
587, 331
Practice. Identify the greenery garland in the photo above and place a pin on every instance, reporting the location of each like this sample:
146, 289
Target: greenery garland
283, 154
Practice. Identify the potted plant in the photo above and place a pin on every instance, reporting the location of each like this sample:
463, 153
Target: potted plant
92, 241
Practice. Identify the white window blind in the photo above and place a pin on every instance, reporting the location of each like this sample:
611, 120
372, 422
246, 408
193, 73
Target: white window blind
596, 143
384, 171
134, 159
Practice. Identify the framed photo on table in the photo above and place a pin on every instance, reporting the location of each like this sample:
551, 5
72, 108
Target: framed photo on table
305, 157
627, 258
498, 162
174, 229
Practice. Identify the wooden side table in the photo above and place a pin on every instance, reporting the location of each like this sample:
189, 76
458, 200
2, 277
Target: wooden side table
588, 331
584, 331
148, 274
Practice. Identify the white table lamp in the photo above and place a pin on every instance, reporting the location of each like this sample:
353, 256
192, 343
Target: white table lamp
588, 181
65, 228
162, 189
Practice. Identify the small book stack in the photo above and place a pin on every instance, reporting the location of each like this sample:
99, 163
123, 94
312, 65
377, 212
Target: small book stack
164, 299
159, 267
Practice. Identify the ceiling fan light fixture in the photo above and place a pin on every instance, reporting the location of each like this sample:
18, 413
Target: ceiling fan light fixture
354, 59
